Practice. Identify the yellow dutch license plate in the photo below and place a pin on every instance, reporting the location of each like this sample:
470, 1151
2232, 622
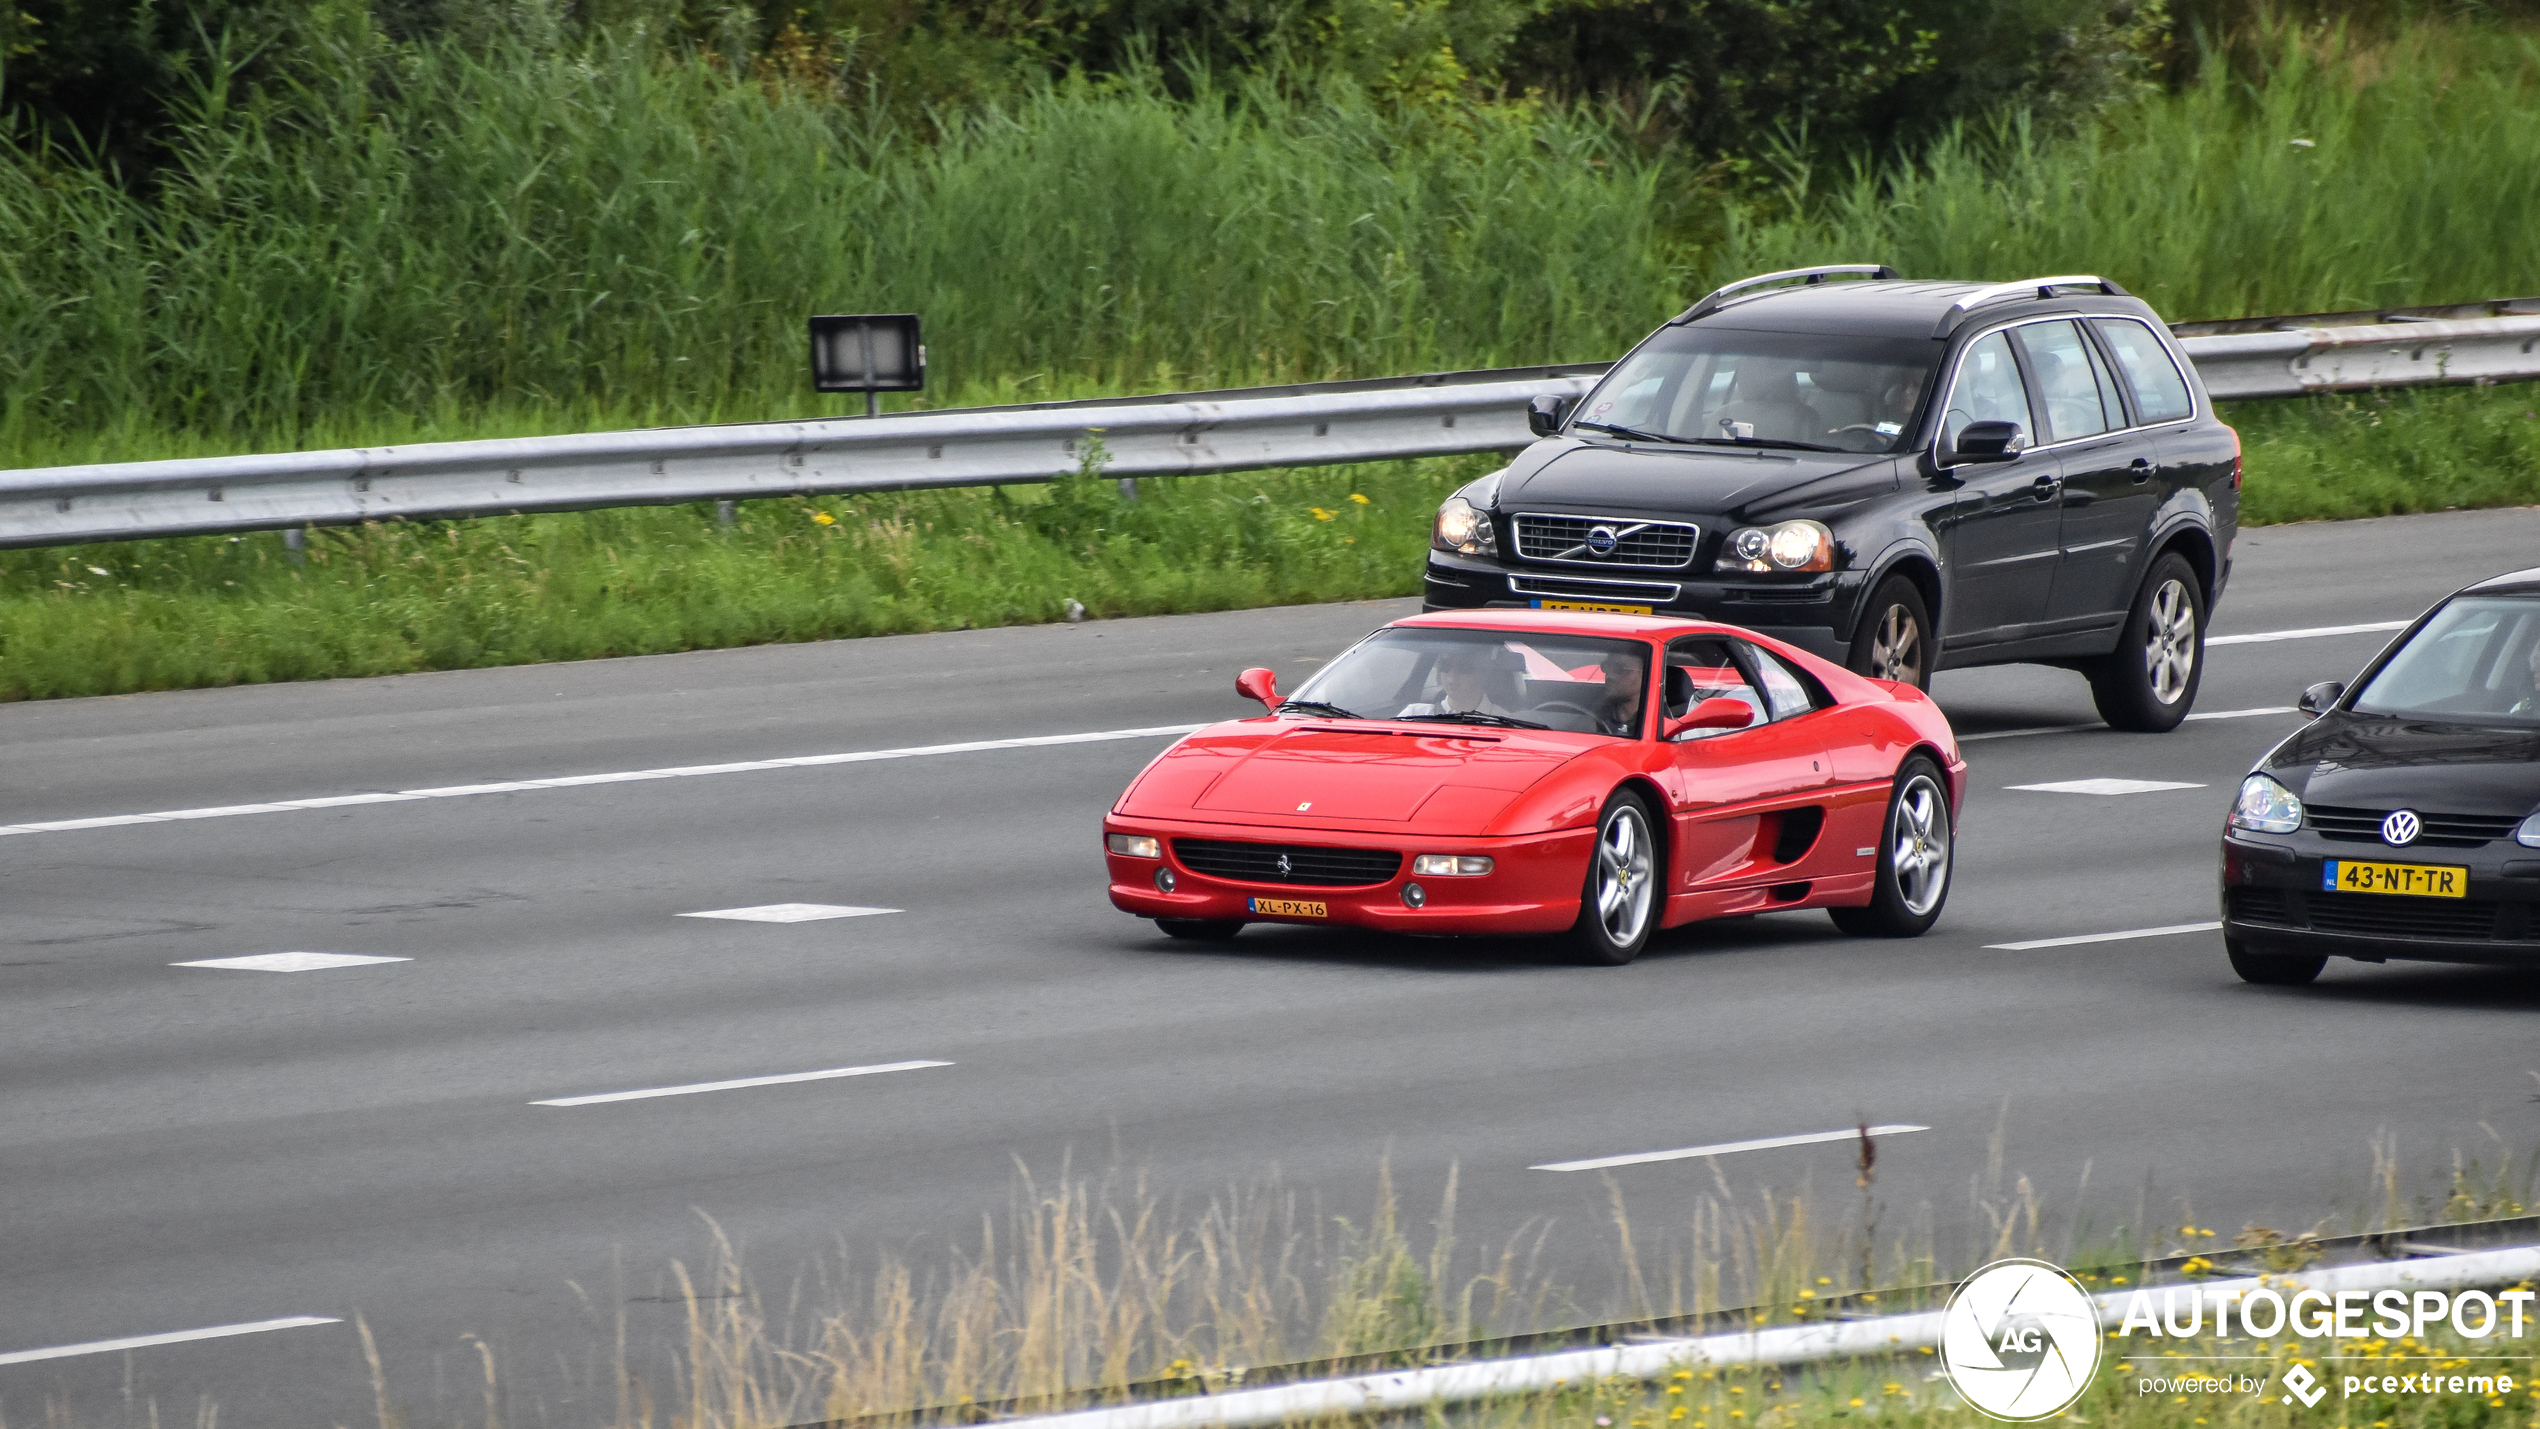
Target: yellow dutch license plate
1604, 607
2341, 875
1287, 908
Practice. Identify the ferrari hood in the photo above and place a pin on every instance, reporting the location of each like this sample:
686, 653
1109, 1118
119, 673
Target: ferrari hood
1313, 773
2378, 762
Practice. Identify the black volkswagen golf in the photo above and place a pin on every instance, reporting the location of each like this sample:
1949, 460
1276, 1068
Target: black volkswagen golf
2404, 821
1901, 476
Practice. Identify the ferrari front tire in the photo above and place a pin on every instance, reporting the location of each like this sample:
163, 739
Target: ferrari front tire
1206, 930
1917, 848
1618, 903
2271, 969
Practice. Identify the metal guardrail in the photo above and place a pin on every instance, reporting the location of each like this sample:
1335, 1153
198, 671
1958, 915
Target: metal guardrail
1182, 434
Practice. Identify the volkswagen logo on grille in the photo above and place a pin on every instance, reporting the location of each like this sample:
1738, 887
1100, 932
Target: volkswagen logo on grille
1286, 867
1602, 540
2401, 828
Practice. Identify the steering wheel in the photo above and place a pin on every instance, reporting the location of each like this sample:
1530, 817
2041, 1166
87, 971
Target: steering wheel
1596, 722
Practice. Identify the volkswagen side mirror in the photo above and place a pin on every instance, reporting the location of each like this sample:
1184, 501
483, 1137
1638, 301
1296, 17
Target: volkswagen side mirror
1989, 441
1719, 712
1259, 684
2318, 699
1545, 412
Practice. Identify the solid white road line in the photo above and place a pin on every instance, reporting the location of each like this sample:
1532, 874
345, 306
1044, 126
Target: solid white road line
738, 1082
2103, 786
1723, 1148
2097, 724
576, 781
790, 912
2104, 937
289, 962
2261, 637
174, 1337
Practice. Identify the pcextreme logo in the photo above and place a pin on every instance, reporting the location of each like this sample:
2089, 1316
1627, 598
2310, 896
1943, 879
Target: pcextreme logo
2021, 1339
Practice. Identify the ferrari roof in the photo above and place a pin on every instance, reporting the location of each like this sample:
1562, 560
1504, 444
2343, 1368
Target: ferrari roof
1567, 622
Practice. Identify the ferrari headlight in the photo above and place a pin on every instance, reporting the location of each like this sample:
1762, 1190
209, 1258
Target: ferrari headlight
2267, 807
2529, 834
1450, 865
1133, 845
1464, 529
1790, 546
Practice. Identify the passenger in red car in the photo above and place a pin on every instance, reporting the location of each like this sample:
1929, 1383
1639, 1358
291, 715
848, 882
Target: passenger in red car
1470, 681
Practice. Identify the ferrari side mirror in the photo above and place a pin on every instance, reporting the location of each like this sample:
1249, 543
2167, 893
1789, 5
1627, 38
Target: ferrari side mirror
1720, 712
1259, 684
2317, 699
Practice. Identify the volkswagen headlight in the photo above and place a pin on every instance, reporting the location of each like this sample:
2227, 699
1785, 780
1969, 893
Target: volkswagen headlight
2266, 807
1790, 546
1464, 529
2529, 834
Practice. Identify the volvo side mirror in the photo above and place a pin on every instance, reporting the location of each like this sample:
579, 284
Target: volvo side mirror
1719, 712
2319, 698
1259, 684
1989, 441
1545, 413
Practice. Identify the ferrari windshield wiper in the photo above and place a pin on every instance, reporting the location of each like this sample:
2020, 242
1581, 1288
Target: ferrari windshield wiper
1476, 717
1317, 707
1758, 442
1630, 433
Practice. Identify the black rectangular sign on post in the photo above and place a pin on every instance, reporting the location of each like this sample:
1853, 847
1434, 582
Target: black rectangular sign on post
868, 353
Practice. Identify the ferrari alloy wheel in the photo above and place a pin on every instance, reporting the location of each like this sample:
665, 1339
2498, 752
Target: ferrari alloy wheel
1210, 930
1618, 906
2149, 684
2271, 969
1914, 859
1894, 642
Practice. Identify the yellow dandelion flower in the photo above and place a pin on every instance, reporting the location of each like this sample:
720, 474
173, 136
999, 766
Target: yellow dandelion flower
824, 518
1361, 500
1322, 515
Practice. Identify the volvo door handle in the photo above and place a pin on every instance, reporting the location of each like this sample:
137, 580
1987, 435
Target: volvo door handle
2045, 487
2142, 469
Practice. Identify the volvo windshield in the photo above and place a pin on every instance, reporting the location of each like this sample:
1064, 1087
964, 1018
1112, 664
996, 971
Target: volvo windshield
1738, 386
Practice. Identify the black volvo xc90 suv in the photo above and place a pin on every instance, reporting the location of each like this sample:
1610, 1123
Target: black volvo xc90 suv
1901, 476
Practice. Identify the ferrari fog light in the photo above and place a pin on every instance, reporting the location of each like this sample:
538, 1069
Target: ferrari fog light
1413, 895
1464, 529
1450, 865
2529, 834
1164, 880
1133, 845
2266, 807
1790, 546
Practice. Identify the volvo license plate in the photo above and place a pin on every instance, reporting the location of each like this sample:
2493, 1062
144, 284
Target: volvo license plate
2342, 875
1605, 607
1286, 908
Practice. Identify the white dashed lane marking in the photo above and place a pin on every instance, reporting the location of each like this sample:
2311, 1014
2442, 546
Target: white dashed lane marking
173, 1337
2097, 724
2262, 637
1639, 1158
290, 962
790, 912
2103, 786
776, 1081
2080, 938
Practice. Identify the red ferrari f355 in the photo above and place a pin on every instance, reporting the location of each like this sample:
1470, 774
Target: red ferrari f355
1579, 776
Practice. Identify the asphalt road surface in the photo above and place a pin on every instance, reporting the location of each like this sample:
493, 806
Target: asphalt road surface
185, 1147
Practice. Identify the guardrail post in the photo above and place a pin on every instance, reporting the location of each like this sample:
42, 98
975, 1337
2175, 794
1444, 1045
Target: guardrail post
725, 512
295, 541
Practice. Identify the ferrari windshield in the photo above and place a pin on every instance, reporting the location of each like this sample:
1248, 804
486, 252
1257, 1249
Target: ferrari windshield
1816, 391
2476, 662
1525, 681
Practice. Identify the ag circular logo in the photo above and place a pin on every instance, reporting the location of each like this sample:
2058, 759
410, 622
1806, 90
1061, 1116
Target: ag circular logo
2020, 1339
1602, 540
2401, 828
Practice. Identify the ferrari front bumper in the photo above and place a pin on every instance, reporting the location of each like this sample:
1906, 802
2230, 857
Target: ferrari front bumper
1533, 886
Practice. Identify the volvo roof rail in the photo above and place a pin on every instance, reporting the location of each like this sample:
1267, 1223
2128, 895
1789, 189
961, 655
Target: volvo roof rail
2026, 287
1719, 297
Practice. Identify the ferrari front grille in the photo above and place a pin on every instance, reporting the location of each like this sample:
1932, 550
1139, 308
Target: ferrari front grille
1596, 541
2350, 825
1288, 863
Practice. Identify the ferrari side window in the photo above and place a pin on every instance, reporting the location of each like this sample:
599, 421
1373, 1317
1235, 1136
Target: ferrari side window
1788, 695
1705, 669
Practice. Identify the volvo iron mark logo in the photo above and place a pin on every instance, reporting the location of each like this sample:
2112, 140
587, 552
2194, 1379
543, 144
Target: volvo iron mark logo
2401, 828
2020, 1339
1602, 540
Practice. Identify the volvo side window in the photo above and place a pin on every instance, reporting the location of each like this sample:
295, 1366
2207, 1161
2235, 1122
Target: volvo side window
2067, 386
2160, 394
1988, 389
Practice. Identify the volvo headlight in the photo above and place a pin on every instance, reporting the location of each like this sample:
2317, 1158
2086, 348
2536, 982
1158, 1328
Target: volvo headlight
1464, 529
2266, 807
2529, 834
1790, 546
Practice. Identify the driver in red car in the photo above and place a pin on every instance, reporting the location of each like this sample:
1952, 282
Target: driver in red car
1467, 679
1626, 683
